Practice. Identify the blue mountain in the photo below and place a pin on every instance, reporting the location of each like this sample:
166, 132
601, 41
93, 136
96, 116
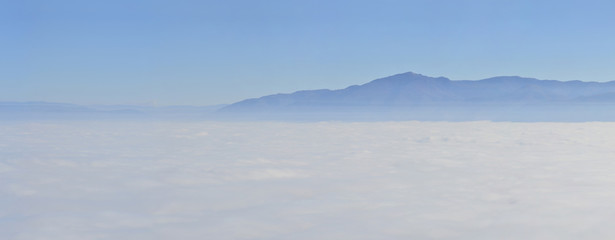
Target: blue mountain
415, 96
64, 111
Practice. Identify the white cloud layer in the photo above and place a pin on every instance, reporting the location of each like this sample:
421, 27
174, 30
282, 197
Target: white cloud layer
329, 180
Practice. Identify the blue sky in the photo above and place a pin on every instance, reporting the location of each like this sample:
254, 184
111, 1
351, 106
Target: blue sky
211, 52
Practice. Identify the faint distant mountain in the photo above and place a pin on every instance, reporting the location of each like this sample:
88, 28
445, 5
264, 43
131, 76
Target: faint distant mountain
41, 107
414, 96
48, 110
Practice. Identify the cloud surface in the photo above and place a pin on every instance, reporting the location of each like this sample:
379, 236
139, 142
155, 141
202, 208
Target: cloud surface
319, 180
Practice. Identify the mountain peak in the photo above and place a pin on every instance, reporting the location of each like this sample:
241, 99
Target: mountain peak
407, 77
410, 73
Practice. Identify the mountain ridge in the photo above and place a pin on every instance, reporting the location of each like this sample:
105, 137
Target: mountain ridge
32, 110
419, 95
411, 88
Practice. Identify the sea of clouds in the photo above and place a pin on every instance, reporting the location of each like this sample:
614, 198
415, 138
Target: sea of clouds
320, 180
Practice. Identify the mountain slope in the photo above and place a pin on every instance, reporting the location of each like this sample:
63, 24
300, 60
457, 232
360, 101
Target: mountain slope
410, 89
418, 97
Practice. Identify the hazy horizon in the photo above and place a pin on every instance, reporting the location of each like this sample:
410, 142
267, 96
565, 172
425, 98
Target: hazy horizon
155, 104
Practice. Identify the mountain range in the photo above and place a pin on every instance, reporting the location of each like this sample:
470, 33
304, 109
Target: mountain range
406, 96
411, 96
66, 111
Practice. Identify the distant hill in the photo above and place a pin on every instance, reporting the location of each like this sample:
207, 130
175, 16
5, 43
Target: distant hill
65, 111
411, 96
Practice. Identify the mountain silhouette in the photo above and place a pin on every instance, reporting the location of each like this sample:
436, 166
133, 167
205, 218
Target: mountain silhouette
63, 111
416, 96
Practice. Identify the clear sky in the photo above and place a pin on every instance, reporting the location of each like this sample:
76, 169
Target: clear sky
211, 52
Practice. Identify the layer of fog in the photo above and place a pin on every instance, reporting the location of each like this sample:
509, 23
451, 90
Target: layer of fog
320, 180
